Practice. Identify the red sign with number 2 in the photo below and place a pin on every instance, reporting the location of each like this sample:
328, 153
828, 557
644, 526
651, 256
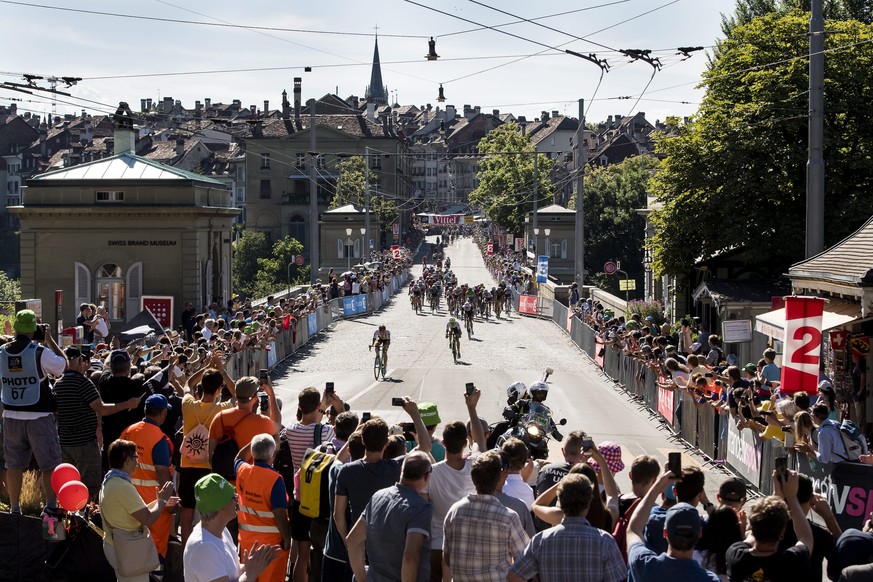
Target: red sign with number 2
802, 352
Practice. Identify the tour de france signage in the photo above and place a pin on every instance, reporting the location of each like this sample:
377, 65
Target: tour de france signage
140, 243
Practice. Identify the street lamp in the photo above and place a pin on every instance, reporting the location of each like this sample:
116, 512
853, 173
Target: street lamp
547, 232
289, 277
536, 239
348, 249
363, 243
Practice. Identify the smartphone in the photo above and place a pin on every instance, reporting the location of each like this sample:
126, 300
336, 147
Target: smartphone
470, 388
674, 463
781, 466
587, 444
365, 416
328, 388
264, 374
397, 401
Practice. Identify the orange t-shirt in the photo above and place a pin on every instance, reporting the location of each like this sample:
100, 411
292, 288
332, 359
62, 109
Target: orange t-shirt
245, 425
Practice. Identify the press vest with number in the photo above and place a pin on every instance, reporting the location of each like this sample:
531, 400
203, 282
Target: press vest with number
24, 386
146, 435
254, 485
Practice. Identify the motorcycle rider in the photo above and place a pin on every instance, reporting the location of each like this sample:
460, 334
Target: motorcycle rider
519, 403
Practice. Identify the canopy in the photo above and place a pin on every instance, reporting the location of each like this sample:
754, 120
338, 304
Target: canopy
836, 313
142, 324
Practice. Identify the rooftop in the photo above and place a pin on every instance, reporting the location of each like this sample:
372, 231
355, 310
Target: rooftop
123, 167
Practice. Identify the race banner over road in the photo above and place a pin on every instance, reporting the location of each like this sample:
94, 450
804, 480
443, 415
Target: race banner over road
446, 219
802, 352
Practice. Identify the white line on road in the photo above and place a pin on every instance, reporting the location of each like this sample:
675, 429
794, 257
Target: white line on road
368, 388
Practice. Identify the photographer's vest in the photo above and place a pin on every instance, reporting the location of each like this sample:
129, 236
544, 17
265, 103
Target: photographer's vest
24, 386
254, 485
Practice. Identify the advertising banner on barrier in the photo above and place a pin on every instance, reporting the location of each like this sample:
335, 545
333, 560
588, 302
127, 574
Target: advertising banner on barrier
527, 304
312, 324
360, 304
665, 404
802, 352
272, 360
848, 489
542, 269
744, 453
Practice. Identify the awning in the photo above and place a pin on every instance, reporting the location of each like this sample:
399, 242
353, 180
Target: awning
836, 313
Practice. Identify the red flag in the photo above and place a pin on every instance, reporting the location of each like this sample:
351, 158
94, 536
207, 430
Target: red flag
286, 323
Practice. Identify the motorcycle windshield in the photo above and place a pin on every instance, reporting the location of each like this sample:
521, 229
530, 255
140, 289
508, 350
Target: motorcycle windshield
539, 413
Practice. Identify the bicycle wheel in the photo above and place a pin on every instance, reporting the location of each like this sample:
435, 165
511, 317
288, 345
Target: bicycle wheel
454, 343
377, 365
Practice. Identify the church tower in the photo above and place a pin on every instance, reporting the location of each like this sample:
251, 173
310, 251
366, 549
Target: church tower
376, 91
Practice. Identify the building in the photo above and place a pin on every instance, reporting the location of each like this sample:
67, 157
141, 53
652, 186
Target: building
342, 237
117, 229
554, 236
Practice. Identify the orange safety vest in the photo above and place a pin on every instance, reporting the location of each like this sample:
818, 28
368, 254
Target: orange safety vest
256, 520
146, 435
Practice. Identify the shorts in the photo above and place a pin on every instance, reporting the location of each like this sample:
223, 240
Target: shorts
86, 458
26, 438
300, 524
188, 477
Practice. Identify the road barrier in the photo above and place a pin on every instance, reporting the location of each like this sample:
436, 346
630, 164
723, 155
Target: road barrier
711, 431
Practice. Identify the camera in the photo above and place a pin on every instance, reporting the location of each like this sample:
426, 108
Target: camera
328, 388
397, 401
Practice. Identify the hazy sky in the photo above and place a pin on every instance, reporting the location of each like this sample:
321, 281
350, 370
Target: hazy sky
63, 43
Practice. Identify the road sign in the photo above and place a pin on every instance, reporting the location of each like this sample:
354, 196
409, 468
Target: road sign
299, 260
490, 247
627, 285
609, 268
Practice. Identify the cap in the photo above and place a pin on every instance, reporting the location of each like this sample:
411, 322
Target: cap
612, 453
246, 388
750, 368
72, 352
25, 321
429, 413
826, 386
732, 489
212, 492
119, 357
650, 318
158, 402
670, 348
682, 521
100, 347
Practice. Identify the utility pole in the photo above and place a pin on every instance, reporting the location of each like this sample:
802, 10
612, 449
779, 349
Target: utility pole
536, 193
313, 199
815, 170
366, 250
581, 161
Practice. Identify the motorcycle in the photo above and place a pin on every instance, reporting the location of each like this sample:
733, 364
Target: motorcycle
532, 423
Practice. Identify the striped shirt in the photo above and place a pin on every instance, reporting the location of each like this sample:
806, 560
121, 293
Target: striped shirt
77, 421
302, 436
482, 537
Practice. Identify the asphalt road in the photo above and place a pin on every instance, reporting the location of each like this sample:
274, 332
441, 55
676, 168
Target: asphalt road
501, 352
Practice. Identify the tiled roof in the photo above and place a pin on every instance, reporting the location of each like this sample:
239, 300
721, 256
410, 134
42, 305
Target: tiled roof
355, 125
848, 261
741, 291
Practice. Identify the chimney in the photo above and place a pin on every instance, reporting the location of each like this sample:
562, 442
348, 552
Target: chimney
425, 116
168, 105
236, 105
496, 113
142, 105
43, 134
266, 110
84, 114
286, 107
254, 110
468, 111
450, 113
148, 103
617, 120
298, 82
207, 101
544, 116
125, 135
180, 147
554, 114
371, 111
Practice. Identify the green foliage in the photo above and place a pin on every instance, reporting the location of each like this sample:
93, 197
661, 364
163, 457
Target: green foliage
10, 289
506, 179
351, 189
646, 308
260, 269
736, 176
613, 230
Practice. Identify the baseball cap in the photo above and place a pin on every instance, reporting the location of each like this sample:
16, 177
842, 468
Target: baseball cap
25, 321
732, 489
213, 492
72, 353
119, 357
246, 388
682, 521
826, 386
650, 318
751, 368
429, 413
158, 402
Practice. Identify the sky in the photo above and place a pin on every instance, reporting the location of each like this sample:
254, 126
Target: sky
477, 65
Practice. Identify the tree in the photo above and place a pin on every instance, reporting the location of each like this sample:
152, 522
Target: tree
506, 177
250, 247
351, 189
735, 176
260, 269
613, 230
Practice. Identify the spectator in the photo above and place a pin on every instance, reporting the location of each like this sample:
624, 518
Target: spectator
714, 355
263, 504
395, 527
153, 470
551, 474
431, 417
451, 480
123, 510
827, 396
732, 493
724, 528
335, 566
685, 337
481, 536
78, 408
519, 457
29, 427
116, 386
771, 373
644, 471
859, 388
683, 529
823, 538
760, 551
573, 550
689, 490
854, 548
84, 321
210, 554
831, 448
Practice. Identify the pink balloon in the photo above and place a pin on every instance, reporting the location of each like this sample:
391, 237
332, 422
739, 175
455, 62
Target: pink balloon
63, 474
73, 496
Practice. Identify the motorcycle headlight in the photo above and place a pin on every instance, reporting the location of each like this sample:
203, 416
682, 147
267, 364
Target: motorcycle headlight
534, 433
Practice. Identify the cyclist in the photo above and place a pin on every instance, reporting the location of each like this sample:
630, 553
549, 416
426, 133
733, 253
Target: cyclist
468, 315
453, 332
382, 337
448, 263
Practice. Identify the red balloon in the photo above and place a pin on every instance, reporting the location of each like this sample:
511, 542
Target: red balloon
73, 496
63, 474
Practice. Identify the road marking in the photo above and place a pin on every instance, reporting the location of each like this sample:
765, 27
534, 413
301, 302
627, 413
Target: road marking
370, 387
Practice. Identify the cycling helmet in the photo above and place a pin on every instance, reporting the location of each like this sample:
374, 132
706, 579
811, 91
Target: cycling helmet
453, 320
539, 387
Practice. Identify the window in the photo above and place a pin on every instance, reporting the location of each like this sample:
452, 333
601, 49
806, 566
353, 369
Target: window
266, 189
301, 161
319, 161
110, 290
375, 162
297, 228
265, 161
109, 196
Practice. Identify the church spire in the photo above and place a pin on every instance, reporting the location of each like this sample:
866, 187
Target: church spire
376, 90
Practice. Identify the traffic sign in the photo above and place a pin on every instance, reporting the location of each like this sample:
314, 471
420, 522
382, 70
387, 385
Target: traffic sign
609, 268
299, 260
627, 285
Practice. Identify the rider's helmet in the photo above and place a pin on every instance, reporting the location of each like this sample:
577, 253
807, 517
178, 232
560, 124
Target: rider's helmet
538, 391
515, 390
452, 320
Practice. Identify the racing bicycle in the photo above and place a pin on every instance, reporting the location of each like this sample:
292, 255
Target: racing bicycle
455, 344
380, 362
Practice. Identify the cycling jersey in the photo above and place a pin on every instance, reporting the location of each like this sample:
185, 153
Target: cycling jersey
377, 335
453, 328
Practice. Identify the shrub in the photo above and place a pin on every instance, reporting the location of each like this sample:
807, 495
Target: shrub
32, 494
646, 308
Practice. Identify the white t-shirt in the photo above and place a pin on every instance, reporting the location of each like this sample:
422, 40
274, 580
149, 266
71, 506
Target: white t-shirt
447, 486
208, 558
516, 487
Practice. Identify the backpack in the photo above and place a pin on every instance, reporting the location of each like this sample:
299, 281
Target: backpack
313, 478
619, 532
284, 463
852, 441
195, 444
225, 452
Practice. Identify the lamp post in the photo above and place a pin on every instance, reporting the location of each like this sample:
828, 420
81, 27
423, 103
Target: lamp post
536, 240
547, 232
348, 249
289, 277
363, 243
